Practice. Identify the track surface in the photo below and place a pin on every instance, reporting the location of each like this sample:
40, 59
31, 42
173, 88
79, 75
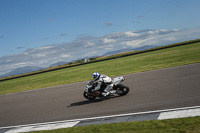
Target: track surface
153, 90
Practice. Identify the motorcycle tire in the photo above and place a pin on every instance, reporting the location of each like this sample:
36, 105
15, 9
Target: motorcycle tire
124, 89
85, 94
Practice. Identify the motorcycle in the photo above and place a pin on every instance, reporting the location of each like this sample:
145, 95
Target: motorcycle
117, 89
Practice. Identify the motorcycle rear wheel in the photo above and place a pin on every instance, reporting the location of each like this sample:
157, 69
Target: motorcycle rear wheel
122, 88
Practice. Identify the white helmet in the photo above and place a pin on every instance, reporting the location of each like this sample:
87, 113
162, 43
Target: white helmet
95, 75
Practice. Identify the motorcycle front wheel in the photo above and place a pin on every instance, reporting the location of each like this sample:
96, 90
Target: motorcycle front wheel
89, 97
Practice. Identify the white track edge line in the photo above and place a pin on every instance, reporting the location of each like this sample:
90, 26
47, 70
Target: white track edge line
101, 117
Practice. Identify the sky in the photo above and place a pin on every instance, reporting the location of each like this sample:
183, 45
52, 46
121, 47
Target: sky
43, 32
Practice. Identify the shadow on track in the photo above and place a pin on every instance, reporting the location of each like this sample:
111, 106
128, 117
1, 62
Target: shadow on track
91, 101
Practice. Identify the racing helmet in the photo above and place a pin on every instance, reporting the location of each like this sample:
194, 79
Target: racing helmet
95, 75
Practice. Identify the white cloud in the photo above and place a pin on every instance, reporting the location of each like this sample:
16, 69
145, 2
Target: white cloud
109, 48
135, 43
175, 30
38, 55
151, 32
131, 34
45, 47
65, 56
159, 37
91, 43
43, 61
163, 30
106, 40
9, 60
88, 46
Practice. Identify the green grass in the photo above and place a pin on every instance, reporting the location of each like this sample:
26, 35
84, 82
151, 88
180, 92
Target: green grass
182, 125
95, 59
164, 58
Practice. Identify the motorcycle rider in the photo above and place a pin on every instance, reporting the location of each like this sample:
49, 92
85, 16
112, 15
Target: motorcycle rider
103, 81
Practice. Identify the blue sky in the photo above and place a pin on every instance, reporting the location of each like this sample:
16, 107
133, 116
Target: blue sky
35, 23
31, 25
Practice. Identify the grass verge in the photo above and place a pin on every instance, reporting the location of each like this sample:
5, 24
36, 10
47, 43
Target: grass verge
98, 59
164, 58
181, 125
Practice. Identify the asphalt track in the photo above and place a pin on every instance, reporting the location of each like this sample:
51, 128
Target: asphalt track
174, 87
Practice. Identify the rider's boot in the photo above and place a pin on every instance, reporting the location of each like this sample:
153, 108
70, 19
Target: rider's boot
112, 92
107, 90
105, 93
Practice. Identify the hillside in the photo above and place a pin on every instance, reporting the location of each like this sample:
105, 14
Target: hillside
112, 66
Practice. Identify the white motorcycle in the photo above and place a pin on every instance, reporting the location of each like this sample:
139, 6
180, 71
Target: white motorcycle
117, 89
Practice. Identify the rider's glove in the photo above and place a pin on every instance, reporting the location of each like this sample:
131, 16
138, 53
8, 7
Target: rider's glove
91, 90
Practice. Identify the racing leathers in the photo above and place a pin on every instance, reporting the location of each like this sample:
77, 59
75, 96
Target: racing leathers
105, 82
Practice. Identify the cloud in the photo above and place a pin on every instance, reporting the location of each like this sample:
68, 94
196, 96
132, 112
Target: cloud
131, 34
65, 55
20, 47
44, 47
107, 40
64, 34
83, 37
108, 48
108, 24
51, 20
88, 46
1, 36
153, 37
39, 55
